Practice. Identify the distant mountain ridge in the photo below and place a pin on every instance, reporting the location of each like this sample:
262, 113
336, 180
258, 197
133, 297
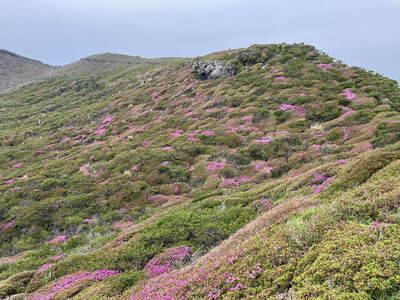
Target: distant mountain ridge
17, 71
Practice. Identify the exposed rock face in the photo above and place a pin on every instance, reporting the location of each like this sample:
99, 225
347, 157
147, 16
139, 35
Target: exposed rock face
213, 69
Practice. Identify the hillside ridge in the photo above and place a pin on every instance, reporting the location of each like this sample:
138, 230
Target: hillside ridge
267, 172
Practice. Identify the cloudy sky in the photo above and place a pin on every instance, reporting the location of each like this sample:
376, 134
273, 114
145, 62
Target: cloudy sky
359, 32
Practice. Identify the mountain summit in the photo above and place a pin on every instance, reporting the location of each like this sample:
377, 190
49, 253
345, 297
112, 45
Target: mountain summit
16, 70
269, 172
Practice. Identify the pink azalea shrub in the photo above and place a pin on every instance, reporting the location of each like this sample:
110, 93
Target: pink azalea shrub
164, 163
58, 257
43, 269
208, 132
9, 181
321, 182
349, 94
346, 114
57, 240
17, 165
102, 128
167, 260
263, 141
146, 143
7, 225
324, 65
68, 281
168, 148
214, 166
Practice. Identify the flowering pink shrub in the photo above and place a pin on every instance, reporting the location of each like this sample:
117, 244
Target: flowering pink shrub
9, 181
85, 169
102, 128
214, 166
266, 203
43, 269
168, 148
286, 107
346, 114
342, 161
324, 65
7, 225
349, 95
17, 165
146, 143
208, 132
164, 163
167, 260
230, 182
68, 281
318, 188
176, 133
297, 109
124, 225
56, 240
154, 97
263, 141
58, 257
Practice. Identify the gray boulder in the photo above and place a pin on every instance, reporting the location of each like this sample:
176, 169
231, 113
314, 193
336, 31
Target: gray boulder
213, 69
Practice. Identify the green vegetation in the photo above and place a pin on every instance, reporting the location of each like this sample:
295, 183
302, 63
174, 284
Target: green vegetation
145, 182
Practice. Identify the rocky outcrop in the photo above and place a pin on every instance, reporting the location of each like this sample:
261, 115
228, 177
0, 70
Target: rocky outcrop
213, 69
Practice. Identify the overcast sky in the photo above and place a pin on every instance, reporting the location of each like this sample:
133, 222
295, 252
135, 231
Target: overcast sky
359, 32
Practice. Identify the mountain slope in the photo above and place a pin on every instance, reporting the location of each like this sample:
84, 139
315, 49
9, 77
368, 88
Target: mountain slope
17, 71
241, 174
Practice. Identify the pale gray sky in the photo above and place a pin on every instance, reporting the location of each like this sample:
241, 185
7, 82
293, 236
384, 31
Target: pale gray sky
359, 32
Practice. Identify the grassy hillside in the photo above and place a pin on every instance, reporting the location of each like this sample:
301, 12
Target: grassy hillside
147, 182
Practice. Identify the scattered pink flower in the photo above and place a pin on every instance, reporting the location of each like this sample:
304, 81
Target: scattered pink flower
57, 240
214, 166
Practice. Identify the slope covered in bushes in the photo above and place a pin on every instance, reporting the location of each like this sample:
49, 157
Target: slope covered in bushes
276, 179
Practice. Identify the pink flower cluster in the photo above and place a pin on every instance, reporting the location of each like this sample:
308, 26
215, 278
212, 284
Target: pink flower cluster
102, 128
17, 165
263, 141
176, 133
214, 166
43, 269
377, 225
263, 166
169, 259
346, 114
321, 182
7, 225
324, 65
85, 169
297, 109
168, 148
349, 94
230, 182
57, 240
266, 203
58, 257
69, 281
